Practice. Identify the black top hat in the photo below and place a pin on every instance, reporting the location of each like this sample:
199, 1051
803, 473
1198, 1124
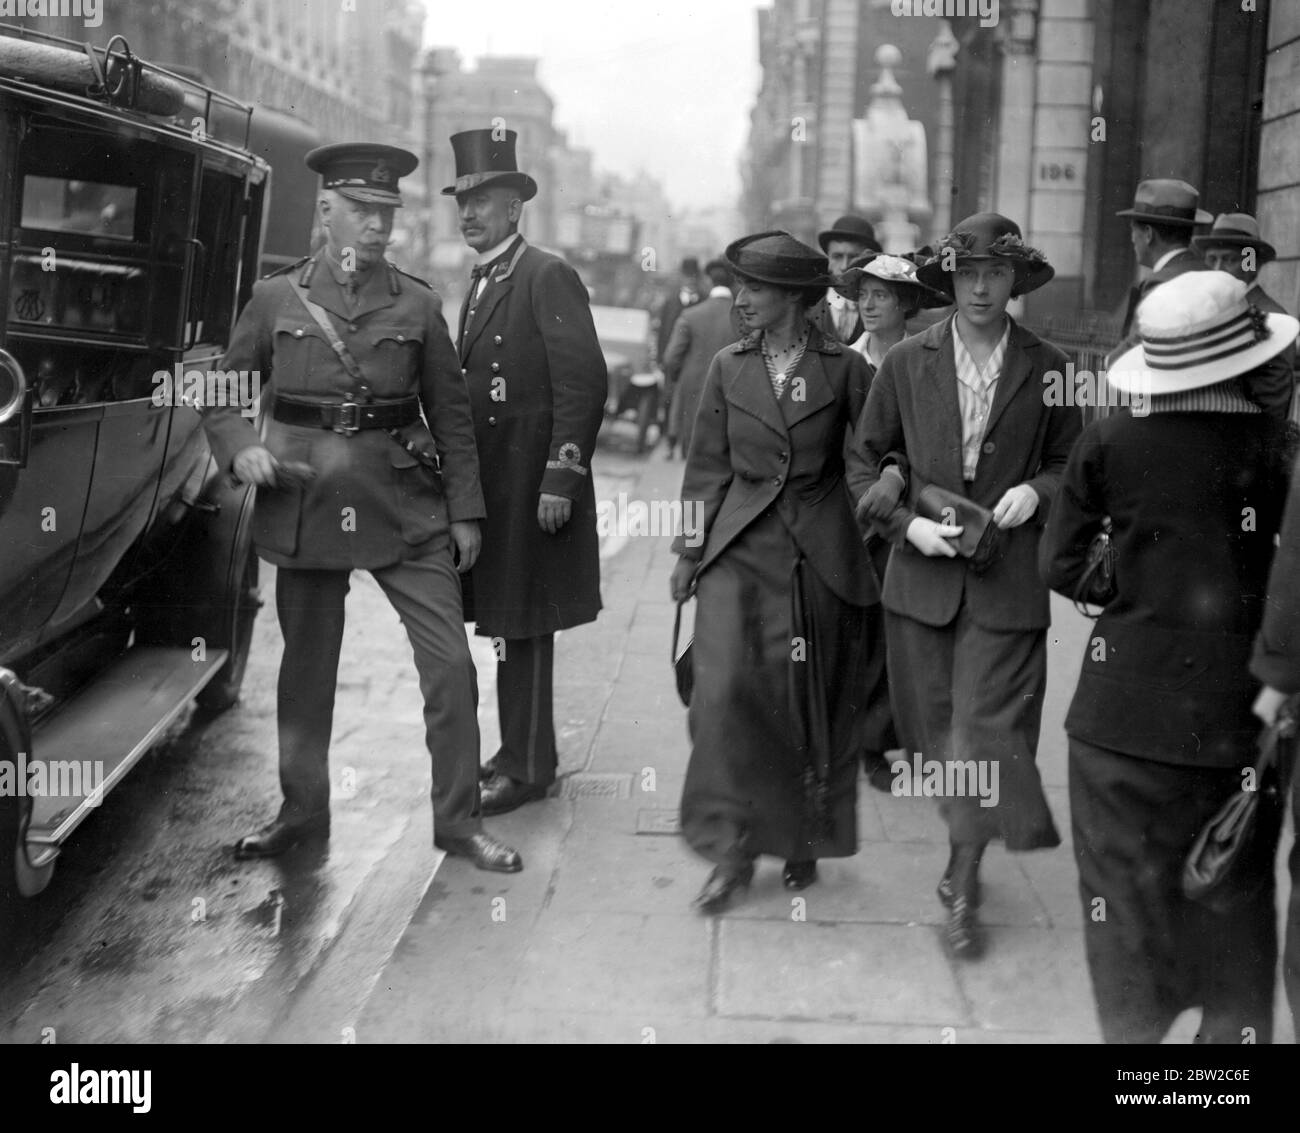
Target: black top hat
486, 157
777, 257
855, 228
363, 171
1236, 230
1166, 201
986, 236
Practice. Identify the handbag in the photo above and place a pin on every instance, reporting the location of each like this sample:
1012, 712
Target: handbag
981, 540
1232, 856
1096, 585
683, 665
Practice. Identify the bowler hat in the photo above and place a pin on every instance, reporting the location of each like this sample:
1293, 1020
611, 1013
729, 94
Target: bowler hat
487, 157
855, 228
1165, 201
986, 236
1236, 230
777, 257
896, 270
1198, 330
363, 171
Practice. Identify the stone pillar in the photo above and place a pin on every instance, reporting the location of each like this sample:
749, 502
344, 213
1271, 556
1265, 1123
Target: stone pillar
839, 54
1017, 33
1278, 197
941, 62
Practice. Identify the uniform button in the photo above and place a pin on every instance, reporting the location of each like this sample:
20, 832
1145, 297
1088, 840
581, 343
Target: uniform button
1189, 661
783, 457
989, 446
464, 373
492, 420
401, 338
496, 367
298, 333
352, 327
471, 312
776, 480
496, 340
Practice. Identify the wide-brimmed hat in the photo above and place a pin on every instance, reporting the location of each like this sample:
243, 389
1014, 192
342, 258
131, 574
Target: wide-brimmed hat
1236, 230
1197, 330
855, 228
892, 269
1166, 201
487, 157
777, 257
986, 236
363, 171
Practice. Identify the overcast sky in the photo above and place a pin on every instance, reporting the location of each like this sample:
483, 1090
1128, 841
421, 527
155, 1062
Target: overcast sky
664, 86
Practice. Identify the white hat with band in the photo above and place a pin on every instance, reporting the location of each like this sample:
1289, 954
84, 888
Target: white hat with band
1197, 330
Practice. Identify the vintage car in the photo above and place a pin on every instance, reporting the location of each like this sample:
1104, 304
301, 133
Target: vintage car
134, 209
635, 383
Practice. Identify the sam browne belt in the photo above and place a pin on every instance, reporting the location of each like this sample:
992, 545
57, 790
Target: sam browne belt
349, 416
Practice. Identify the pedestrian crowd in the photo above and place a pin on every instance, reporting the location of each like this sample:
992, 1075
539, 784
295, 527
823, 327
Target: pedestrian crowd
887, 496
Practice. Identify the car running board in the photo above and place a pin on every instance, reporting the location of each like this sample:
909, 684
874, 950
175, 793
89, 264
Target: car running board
84, 750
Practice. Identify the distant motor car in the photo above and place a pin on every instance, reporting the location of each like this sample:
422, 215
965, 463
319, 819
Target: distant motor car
635, 381
128, 582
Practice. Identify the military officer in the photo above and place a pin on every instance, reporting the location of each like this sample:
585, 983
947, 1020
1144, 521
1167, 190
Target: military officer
349, 480
537, 383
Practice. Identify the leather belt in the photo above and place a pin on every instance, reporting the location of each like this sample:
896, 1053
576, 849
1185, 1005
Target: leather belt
349, 416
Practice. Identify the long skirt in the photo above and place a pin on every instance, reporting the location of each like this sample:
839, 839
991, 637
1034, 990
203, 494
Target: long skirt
753, 729
968, 706
1153, 953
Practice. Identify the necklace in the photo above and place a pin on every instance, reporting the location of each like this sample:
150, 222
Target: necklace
782, 363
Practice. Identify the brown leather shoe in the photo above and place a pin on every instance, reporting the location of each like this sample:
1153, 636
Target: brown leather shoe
278, 836
502, 794
484, 851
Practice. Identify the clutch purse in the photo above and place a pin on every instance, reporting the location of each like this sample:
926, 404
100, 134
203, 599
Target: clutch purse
683, 665
1096, 585
1232, 856
981, 540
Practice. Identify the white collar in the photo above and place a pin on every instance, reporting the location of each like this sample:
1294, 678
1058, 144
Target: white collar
837, 301
492, 253
719, 291
1155, 267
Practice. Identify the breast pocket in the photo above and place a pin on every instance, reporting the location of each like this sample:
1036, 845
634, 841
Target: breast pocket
397, 353
301, 356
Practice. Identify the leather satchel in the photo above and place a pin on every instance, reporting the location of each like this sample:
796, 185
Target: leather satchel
1232, 857
981, 540
1096, 585
683, 665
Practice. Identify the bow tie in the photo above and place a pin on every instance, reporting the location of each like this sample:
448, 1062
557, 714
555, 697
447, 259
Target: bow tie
479, 271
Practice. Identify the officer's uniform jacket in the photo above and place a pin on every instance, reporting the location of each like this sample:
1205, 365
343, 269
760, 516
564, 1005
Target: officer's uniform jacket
537, 383
372, 503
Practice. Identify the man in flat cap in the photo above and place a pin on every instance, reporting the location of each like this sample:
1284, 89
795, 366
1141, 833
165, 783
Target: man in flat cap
352, 477
537, 385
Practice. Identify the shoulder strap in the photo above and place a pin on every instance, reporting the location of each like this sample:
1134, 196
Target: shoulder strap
350, 364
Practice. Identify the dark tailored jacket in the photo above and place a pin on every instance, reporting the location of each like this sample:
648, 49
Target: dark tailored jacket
537, 384
913, 409
398, 337
669, 313
1165, 674
701, 331
1183, 261
749, 454
1276, 659
819, 314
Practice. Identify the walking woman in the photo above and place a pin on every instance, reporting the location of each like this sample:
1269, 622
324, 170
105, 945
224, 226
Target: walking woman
784, 587
964, 404
887, 293
1160, 726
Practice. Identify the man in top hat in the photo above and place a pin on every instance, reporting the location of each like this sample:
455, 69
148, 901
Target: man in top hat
846, 240
537, 386
352, 477
1233, 245
1162, 219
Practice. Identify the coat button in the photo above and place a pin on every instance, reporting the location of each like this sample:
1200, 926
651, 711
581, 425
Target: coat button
1189, 661
776, 480
298, 333
464, 373
989, 447
496, 367
496, 340
401, 338
492, 420
352, 327
783, 457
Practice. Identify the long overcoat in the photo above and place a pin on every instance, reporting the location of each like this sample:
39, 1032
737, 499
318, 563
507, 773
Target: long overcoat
371, 503
537, 384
